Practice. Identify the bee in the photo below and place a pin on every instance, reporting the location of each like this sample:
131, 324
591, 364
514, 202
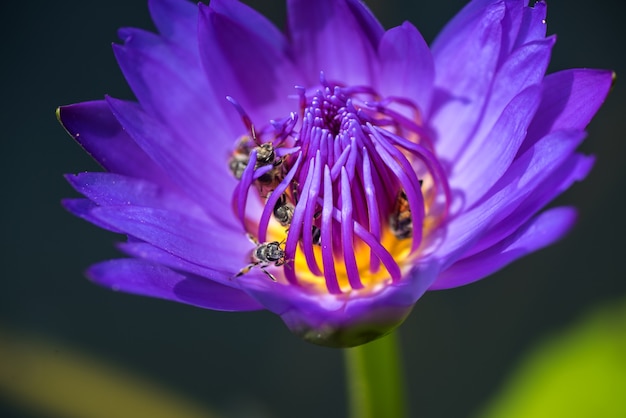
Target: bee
265, 155
316, 232
240, 157
264, 255
237, 164
283, 210
400, 221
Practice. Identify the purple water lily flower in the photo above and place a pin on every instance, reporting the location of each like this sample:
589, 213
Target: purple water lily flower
333, 174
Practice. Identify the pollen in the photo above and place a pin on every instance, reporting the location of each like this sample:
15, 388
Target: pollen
350, 187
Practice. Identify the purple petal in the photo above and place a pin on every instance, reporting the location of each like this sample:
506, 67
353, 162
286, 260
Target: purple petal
171, 85
107, 189
203, 243
149, 279
254, 22
255, 70
95, 128
371, 27
407, 68
523, 68
569, 100
207, 183
533, 25
511, 25
176, 20
148, 252
541, 231
511, 190
486, 160
572, 170
338, 321
334, 36
462, 89
462, 22
82, 208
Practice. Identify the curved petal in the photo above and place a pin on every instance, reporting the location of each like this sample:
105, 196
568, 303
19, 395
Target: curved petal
533, 26
462, 22
461, 90
256, 71
569, 100
149, 279
336, 37
486, 160
523, 68
82, 208
202, 243
207, 183
144, 251
511, 24
171, 85
176, 20
337, 321
511, 190
539, 232
368, 23
572, 170
257, 24
108, 189
407, 68
95, 128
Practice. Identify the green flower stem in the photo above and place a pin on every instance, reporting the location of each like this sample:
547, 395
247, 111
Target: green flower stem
375, 379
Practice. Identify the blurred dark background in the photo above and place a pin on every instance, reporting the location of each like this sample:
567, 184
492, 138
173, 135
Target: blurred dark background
459, 345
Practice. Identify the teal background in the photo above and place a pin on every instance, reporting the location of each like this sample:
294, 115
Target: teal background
459, 345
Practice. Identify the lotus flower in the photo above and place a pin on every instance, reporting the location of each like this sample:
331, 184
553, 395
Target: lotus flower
335, 173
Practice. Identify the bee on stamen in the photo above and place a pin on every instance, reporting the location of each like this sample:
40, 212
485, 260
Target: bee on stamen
283, 211
266, 155
264, 255
316, 233
240, 157
400, 221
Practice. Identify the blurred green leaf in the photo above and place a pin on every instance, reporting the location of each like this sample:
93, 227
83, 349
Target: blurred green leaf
42, 376
580, 373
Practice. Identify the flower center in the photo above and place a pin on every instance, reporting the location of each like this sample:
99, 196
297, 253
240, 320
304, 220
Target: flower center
350, 192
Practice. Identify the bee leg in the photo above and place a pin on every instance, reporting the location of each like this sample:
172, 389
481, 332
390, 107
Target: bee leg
270, 275
246, 269
252, 239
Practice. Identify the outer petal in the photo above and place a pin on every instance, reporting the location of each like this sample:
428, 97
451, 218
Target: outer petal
511, 25
95, 128
573, 169
176, 20
171, 86
255, 70
462, 89
150, 253
206, 244
523, 68
335, 321
207, 183
336, 37
511, 190
540, 232
407, 68
533, 26
569, 100
149, 279
108, 189
479, 170
82, 208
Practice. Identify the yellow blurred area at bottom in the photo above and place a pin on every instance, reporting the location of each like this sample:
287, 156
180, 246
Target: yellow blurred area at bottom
44, 377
